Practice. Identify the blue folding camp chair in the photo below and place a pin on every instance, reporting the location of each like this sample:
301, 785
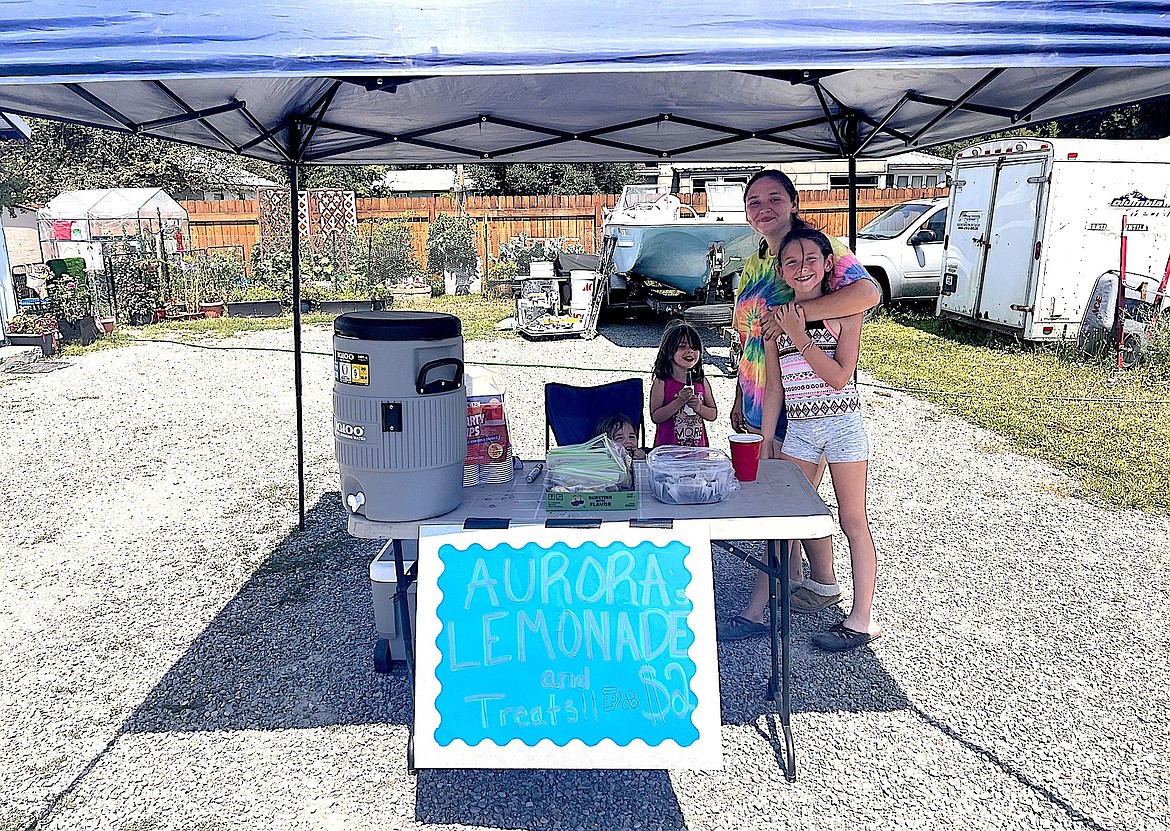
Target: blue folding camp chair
571, 413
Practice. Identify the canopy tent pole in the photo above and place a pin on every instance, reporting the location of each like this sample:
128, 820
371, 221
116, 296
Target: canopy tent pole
852, 202
851, 141
294, 175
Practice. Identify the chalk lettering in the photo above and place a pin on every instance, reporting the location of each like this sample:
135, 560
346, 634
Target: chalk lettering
489, 639
613, 577
626, 638
590, 564
483, 699
565, 680
480, 579
654, 581
528, 592
596, 633
569, 620
454, 662
550, 576
525, 624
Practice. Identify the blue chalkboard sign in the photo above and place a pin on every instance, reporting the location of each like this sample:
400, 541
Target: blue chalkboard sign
566, 648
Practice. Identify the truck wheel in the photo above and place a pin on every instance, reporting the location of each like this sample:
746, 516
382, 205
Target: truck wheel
716, 314
884, 284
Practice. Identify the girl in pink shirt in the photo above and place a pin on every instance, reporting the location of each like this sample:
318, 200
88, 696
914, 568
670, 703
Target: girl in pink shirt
680, 397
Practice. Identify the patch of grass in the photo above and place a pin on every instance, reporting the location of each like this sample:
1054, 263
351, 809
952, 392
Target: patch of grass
1115, 448
185, 330
478, 313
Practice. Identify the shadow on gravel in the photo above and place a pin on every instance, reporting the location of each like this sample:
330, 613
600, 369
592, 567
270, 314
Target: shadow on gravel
292, 649
821, 682
559, 799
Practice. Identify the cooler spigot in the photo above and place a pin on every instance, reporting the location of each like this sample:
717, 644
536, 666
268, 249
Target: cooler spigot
355, 501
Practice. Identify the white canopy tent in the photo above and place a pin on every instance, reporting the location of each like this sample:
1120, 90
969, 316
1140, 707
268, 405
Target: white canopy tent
365, 81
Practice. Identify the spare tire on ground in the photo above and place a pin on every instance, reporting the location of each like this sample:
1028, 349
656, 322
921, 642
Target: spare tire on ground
714, 314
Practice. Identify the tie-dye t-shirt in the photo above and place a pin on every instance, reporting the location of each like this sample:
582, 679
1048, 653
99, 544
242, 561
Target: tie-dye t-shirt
760, 286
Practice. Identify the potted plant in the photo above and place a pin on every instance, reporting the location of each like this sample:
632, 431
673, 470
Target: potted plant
33, 330
347, 296
451, 252
254, 301
139, 291
216, 274
380, 297
70, 300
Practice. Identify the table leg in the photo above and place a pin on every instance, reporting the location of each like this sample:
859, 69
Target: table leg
779, 565
403, 610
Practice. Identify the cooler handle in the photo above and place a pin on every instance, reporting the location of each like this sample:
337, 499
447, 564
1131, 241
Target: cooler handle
426, 387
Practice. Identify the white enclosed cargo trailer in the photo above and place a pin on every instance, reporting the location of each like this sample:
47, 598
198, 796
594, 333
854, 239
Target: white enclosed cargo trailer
1033, 223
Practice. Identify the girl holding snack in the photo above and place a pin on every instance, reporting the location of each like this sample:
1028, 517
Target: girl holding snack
809, 368
680, 397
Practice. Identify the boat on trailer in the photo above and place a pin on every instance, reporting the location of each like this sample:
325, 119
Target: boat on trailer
652, 241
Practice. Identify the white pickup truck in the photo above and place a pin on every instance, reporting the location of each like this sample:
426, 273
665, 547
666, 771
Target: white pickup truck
903, 249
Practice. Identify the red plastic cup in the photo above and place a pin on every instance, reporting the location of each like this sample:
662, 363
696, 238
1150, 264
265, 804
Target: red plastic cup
745, 455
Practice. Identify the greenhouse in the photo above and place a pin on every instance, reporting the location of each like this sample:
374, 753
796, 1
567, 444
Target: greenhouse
96, 223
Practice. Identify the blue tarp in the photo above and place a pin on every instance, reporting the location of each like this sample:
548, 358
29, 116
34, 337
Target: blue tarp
523, 80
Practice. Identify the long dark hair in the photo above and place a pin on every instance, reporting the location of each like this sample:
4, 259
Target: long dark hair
673, 336
789, 188
805, 233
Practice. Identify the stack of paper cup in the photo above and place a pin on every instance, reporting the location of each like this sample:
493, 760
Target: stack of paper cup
471, 476
500, 472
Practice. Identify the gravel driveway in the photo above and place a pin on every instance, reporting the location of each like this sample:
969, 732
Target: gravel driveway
175, 654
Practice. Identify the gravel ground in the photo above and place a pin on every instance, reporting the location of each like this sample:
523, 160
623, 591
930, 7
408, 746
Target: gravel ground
175, 654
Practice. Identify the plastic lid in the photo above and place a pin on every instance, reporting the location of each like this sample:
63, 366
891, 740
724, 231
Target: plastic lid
397, 326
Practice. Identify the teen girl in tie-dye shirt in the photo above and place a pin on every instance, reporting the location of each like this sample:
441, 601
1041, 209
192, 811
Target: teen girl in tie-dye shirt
761, 287
772, 206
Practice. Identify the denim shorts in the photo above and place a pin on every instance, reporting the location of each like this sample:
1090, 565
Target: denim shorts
840, 438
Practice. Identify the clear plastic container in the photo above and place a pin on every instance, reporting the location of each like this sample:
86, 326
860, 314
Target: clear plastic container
690, 475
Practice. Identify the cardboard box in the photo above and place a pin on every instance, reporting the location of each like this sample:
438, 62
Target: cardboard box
623, 500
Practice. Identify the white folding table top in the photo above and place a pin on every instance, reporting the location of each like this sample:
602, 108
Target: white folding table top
780, 504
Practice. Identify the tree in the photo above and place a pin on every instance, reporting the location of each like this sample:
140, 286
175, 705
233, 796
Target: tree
62, 157
1138, 121
363, 180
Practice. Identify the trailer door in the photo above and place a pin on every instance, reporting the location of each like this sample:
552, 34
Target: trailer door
1007, 277
962, 272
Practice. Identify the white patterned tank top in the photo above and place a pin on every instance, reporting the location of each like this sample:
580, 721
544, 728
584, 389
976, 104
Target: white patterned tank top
806, 395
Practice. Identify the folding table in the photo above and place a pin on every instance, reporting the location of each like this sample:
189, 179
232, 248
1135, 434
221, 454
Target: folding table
779, 506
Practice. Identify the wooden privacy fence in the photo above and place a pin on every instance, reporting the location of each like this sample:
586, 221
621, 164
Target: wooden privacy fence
503, 218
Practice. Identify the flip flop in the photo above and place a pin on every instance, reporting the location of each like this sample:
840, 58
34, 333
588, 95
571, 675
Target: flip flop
839, 638
740, 628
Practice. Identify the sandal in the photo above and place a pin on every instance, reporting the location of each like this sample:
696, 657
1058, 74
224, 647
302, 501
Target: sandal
839, 638
740, 628
805, 601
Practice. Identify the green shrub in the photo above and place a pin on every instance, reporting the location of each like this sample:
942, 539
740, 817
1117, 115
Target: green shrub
386, 254
523, 251
451, 244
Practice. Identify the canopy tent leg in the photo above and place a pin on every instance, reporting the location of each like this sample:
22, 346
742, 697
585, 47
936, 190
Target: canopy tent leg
294, 171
